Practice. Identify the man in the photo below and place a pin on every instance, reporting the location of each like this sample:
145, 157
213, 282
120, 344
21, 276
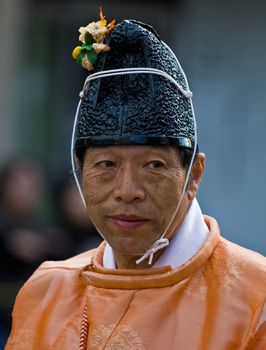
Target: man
164, 278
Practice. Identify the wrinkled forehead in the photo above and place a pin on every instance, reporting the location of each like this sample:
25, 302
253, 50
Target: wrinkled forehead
133, 151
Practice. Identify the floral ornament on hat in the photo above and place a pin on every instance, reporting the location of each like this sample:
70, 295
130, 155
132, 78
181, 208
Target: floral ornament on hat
92, 37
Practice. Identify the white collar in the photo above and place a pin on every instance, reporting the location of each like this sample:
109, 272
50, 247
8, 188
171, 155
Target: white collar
186, 242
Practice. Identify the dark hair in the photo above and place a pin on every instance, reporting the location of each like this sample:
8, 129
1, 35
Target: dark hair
80, 155
186, 155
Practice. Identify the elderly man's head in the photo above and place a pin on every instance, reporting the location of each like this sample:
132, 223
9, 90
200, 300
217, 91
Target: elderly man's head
135, 140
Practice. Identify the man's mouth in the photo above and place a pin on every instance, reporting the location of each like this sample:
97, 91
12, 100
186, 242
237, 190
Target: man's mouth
128, 221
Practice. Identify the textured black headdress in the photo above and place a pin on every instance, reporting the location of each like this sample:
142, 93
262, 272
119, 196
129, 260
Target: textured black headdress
135, 108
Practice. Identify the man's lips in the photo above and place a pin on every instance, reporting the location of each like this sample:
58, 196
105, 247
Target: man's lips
128, 221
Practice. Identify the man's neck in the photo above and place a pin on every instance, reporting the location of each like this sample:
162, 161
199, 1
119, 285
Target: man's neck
129, 261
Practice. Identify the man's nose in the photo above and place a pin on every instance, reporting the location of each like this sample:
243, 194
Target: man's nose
129, 186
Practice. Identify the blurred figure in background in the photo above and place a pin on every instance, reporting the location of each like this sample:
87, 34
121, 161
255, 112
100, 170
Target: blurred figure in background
72, 218
32, 229
22, 243
22, 188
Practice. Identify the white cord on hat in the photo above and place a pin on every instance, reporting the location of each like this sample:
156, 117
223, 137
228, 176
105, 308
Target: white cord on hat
127, 71
72, 154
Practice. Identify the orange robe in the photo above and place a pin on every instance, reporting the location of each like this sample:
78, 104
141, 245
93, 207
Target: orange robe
212, 302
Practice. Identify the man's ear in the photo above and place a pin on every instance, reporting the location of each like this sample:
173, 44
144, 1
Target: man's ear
196, 176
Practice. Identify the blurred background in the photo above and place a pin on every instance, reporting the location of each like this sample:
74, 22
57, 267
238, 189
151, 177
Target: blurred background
221, 46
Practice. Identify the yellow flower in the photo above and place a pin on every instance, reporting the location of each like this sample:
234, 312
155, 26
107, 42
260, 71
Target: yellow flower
76, 52
101, 47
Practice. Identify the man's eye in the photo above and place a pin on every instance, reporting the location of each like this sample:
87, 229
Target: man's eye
155, 164
105, 164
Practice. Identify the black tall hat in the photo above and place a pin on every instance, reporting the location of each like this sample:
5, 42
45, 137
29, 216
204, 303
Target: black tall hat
135, 108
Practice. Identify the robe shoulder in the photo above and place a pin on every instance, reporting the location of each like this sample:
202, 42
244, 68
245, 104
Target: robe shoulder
53, 295
52, 273
253, 261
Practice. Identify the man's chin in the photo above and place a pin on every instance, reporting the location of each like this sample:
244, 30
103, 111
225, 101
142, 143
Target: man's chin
129, 247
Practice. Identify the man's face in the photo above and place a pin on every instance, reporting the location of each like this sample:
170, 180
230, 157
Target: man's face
132, 193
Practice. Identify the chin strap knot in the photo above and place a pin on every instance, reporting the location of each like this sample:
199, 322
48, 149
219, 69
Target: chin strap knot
159, 244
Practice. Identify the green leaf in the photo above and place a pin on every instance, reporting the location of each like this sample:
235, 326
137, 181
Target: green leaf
80, 58
85, 48
92, 56
89, 39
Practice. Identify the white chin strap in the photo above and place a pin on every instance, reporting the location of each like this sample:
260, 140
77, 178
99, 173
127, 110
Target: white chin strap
162, 242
